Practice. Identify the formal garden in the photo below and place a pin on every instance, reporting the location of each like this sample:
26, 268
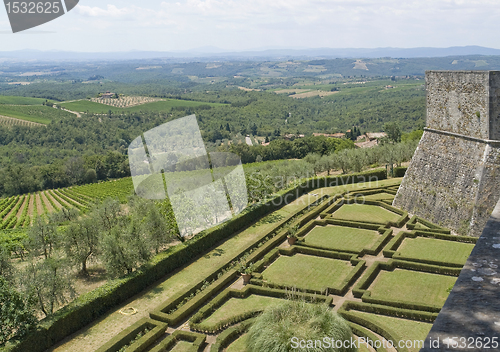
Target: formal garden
336, 245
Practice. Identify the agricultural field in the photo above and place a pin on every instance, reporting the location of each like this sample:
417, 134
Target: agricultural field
125, 102
19, 211
10, 121
208, 306
158, 106
13, 100
33, 113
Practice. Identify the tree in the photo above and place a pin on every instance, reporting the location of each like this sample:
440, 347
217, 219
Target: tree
155, 227
341, 160
64, 215
49, 283
6, 268
124, 248
274, 329
393, 132
17, 315
42, 238
81, 242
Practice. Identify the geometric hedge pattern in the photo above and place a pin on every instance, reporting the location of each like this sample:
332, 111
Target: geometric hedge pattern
386, 273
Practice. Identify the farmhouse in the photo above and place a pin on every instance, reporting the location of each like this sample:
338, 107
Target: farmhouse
334, 135
107, 95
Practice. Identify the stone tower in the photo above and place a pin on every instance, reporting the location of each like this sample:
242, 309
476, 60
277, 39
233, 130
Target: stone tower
454, 176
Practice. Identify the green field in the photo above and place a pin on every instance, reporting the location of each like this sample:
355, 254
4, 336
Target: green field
237, 306
365, 213
412, 287
13, 100
307, 272
342, 238
435, 250
39, 114
159, 106
404, 328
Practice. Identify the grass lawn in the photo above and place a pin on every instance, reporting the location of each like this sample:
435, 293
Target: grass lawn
240, 345
306, 271
435, 249
406, 329
412, 286
380, 196
342, 238
365, 213
182, 346
237, 306
13, 100
164, 105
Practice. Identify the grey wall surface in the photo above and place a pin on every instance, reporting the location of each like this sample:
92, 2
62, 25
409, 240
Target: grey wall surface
453, 178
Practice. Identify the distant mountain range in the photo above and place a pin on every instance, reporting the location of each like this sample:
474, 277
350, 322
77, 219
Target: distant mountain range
274, 54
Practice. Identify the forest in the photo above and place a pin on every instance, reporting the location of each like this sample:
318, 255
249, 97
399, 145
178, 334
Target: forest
231, 100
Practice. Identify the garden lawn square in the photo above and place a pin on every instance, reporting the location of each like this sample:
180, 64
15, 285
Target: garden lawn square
307, 272
236, 306
412, 287
342, 238
405, 329
365, 213
435, 250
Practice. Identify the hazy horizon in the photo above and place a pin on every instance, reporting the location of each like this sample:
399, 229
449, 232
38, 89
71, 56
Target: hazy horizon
226, 25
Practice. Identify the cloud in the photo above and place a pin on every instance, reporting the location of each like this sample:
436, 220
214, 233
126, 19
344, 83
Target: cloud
238, 25
111, 11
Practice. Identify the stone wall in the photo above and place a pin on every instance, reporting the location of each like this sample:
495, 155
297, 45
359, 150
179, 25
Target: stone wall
454, 176
458, 102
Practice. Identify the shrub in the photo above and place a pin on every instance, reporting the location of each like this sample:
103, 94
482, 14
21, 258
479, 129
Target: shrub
274, 329
400, 171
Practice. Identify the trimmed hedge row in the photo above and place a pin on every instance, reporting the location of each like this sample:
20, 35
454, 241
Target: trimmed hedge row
361, 288
412, 225
360, 331
387, 334
180, 314
332, 208
230, 335
399, 171
160, 312
196, 322
427, 317
197, 340
369, 192
127, 336
90, 306
359, 266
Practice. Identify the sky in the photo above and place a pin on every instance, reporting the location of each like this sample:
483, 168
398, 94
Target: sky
239, 25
